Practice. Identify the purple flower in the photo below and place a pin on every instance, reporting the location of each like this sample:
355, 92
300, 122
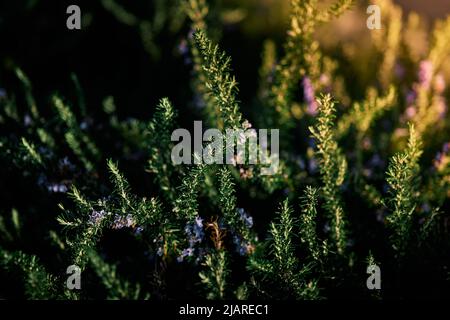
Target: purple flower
57, 188
241, 246
121, 222
2, 93
196, 229
195, 235
425, 73
27, 121
309, 95
138, 231
199, 222
96, 217
446, 147
245, 217
189, 252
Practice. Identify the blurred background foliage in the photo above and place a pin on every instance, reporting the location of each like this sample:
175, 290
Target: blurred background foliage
127, 48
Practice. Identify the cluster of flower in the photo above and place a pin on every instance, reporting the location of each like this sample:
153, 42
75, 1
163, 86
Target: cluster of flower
243, 246
57, 187
246, 217
53, 187
119, 222
96, 217
195, 233
65, 167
